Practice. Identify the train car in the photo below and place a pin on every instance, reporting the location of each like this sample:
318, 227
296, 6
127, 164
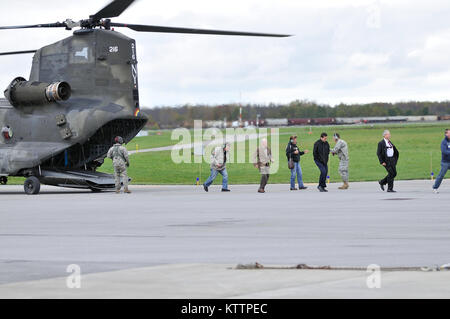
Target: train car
384, 119
260, 123
302, 121
414, 118
276, 122
324, 121
348, 120
444, 118
430, 118
397, 118
216, 124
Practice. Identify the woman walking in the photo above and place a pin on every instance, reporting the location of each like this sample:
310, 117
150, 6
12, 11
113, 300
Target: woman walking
293, 154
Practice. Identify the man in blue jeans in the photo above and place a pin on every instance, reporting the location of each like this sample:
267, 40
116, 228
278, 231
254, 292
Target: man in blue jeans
445, 162
293, 153
218, 166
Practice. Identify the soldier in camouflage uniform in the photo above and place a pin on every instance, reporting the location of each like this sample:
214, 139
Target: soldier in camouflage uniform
119, 155
341, 149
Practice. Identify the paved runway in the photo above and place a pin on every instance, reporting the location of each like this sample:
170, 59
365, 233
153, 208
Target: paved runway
156, 225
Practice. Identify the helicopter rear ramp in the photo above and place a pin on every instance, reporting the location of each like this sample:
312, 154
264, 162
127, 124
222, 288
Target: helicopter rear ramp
77, 179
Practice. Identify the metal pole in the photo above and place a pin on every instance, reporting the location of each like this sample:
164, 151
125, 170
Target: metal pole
431, 165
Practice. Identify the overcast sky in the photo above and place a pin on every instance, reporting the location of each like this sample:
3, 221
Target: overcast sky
343, 50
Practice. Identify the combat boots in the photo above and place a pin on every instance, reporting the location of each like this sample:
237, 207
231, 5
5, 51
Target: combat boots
345, 186
126, 191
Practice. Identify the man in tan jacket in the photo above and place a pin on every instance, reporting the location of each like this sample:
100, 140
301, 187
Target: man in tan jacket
262, 158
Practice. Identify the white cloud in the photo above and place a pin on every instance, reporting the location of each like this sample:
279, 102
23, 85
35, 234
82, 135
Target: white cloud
364, 60
435, 51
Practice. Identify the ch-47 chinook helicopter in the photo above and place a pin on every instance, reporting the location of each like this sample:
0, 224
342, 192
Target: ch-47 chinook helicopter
57, 127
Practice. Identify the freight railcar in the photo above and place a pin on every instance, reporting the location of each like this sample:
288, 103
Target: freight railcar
302, 121
276, 122
444, 118
324, 121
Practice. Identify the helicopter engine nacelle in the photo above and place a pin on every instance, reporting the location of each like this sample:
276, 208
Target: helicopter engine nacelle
24, 93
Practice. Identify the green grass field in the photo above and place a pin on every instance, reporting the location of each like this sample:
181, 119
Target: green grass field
418, 144
419, 147
154, 139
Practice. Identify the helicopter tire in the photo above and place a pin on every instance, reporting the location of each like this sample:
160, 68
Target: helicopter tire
32, 185
3, 180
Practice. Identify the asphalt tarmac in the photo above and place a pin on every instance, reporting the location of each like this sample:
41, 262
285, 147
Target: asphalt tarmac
160, 225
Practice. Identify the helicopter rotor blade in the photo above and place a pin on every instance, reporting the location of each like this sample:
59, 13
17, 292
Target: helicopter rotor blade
45, 25
112, 10
18, 52
153, 28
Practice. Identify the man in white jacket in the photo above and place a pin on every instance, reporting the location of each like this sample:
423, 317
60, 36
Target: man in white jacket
218, 166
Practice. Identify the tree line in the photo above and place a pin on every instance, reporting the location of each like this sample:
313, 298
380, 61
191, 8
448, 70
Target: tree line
184, 116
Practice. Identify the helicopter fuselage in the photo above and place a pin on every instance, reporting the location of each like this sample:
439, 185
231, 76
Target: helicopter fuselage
101, 68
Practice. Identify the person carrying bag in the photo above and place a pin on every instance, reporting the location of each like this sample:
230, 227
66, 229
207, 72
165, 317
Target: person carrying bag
293, 154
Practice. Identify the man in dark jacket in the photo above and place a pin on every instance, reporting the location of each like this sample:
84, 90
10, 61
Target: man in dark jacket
321, 153
445, 162
293, 152
388, 156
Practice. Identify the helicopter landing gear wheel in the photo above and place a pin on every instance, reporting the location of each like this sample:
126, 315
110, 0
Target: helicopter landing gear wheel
3, 180
32, 185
